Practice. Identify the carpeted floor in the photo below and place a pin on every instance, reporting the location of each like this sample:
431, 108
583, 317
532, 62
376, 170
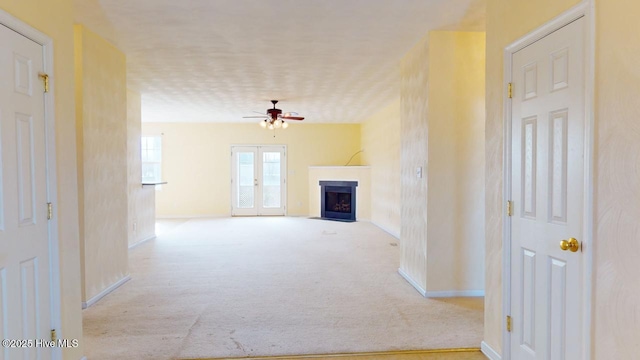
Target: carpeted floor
234, 287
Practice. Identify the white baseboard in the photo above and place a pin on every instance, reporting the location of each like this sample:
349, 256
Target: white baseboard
169, 217
134, 245
455, 293
412, 282
385, 229
83, 358
489, 352
105, 292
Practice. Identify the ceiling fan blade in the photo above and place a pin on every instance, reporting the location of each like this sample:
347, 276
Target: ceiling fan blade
256, 117
258, 112
292, 117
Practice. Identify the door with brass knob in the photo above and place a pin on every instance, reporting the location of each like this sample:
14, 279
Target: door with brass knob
547, 191
572, 245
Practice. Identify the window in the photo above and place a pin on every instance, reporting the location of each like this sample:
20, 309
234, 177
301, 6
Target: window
151, 159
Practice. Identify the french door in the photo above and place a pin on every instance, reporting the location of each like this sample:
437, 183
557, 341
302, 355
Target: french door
258, 183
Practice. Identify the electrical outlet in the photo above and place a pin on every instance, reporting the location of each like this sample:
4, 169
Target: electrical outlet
135, 226
419, 172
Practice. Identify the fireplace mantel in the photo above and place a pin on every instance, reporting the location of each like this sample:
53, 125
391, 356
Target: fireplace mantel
361, 174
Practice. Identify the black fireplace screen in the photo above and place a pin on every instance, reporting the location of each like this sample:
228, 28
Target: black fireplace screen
338, 202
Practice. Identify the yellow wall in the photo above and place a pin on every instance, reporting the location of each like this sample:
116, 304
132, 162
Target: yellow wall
380, 136
455, 190
507, 20
55, 19
101, 119
196, 161
414, 92
617, 193
142, 217
442, 127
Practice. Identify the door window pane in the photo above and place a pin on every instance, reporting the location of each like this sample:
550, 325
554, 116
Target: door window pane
245, 180
271, 192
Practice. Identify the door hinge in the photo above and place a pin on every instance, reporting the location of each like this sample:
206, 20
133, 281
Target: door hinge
49, 211
508, 323
510, 91
45, 81
54, 336
509, 208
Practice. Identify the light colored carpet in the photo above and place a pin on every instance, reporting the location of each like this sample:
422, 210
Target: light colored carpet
234, 287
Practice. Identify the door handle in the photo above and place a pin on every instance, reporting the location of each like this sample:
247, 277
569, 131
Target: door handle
572, 244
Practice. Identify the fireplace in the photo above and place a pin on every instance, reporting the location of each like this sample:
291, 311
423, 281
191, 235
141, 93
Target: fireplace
338, 200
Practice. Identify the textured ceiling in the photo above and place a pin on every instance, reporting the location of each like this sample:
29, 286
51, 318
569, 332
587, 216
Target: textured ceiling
218, 60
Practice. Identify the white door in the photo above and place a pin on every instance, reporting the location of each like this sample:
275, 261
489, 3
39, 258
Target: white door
258, 183
25, 291
547, 192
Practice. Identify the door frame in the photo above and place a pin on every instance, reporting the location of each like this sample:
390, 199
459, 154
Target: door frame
586, 10
46, 42
285, 185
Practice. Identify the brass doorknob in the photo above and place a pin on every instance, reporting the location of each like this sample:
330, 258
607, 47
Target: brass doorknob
571, 244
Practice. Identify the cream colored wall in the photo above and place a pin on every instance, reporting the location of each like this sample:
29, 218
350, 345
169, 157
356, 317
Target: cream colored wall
55, 19
102, 169
507, 20
361, 174
141, 215
414, 91
380, 135
617, 181
455, 195
196, 161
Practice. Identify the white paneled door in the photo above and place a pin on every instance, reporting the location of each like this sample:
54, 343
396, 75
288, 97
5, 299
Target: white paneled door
548, 132
25, 290
258, 183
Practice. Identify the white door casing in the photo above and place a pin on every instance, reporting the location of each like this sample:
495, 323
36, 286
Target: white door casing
258, 180
547, 190
25, 254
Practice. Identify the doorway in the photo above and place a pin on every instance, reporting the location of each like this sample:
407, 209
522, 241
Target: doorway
546, 265
29, 293
258, 180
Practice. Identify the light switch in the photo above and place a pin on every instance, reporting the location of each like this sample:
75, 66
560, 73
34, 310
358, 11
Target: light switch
419, 172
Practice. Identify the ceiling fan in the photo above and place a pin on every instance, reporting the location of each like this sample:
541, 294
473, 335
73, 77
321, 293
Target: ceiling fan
274, 118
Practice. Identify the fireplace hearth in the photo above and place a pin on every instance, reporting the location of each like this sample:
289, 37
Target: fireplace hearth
338, 200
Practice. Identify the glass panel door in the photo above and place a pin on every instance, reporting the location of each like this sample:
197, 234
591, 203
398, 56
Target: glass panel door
271, 197
244, 181
258, 178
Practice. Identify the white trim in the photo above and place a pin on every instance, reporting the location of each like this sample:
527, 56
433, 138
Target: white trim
199, 216
27, 31
83, 358
489, 352
454, 293
106, 292
135, 245
406, 276
340, 167
585, 9
385, 229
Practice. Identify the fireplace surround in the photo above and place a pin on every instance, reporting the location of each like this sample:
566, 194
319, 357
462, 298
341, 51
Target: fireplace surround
338, 200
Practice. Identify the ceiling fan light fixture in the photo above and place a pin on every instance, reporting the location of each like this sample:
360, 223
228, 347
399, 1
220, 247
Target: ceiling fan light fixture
271, 127
263, 123
277, 123
285, 125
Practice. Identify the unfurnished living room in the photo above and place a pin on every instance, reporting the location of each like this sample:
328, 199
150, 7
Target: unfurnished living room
278, 179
